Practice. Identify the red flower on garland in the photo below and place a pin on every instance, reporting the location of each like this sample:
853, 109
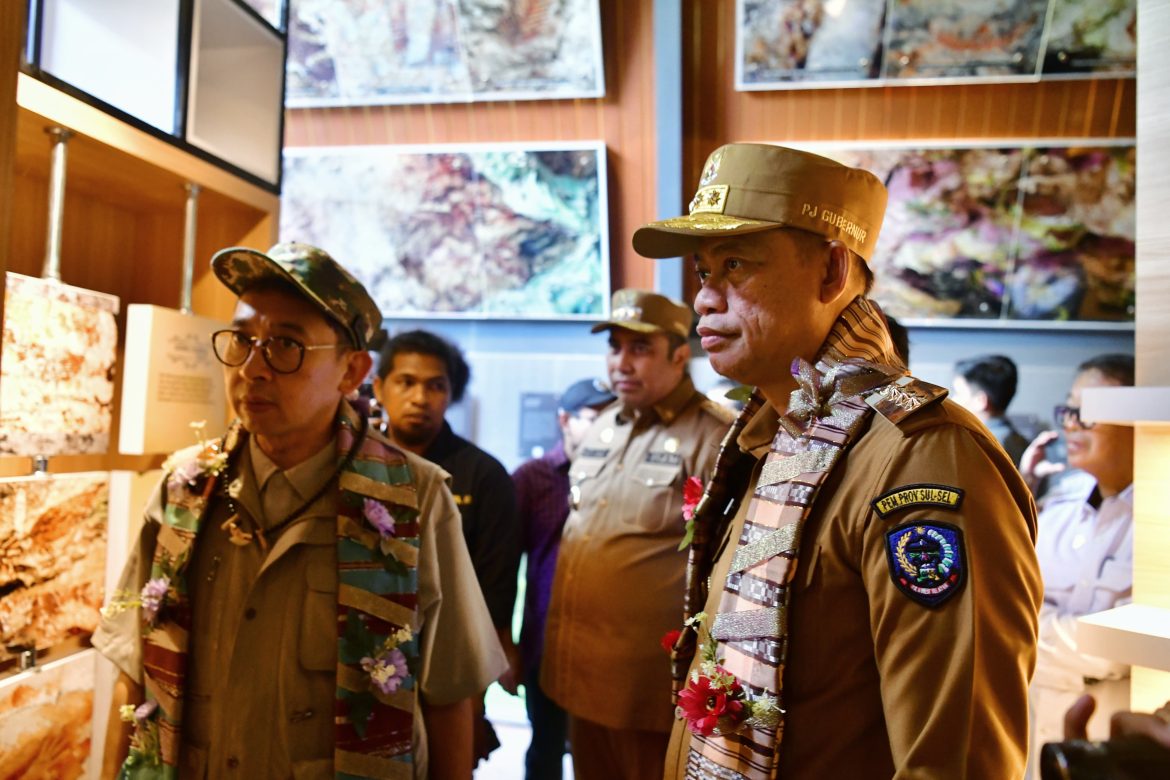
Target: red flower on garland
708, 704
669, 638
692, 492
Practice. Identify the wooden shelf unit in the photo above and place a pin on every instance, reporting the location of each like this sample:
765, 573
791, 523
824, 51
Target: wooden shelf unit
123, 222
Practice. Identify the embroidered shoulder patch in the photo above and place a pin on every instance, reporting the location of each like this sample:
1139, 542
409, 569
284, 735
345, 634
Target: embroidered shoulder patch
918, 494
927, 561
898, 400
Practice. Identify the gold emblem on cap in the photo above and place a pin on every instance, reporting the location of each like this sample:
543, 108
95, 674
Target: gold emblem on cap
710, 200
627, 313
607, 435
670, 445
712, 168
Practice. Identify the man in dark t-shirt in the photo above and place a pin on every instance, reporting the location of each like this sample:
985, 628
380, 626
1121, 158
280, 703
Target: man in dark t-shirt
420, 375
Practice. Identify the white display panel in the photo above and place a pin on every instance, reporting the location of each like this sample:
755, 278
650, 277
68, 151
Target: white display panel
171, 379
236, 88
123, 52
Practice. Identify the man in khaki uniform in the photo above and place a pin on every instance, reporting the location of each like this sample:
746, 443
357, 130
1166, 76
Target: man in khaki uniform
868, 547
619, 576
301, 602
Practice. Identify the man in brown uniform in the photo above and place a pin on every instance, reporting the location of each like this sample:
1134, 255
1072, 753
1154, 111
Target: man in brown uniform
301, 602
619, 576
868, 547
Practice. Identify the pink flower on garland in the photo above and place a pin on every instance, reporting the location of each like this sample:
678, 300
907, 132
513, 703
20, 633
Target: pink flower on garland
692, 493
379, 517
708, 704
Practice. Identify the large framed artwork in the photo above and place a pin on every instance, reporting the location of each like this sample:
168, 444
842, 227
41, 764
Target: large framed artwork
52, 558
1019, 234
353, 52
57, 372
499, 231
792, 44
782, 42
46, 720
1092, 37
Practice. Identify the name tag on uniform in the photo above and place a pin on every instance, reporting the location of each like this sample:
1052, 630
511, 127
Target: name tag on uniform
592, 452
908, 496
664, 458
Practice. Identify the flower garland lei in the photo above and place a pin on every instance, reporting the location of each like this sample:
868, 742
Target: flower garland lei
714, 701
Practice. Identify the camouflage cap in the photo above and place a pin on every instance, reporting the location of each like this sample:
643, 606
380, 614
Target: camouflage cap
313, 272
647, 312
746, 188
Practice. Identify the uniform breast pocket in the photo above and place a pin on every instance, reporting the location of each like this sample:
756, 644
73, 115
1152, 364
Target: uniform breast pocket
654, 497
317, 640
582, 477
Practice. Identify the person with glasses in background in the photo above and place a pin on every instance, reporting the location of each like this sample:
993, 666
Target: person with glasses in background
301, 602
1085, 547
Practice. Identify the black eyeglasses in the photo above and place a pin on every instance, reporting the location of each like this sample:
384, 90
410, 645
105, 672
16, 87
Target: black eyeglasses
1070, 415
283, 355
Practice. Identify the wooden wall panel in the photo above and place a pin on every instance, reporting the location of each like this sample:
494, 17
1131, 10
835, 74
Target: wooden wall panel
714, 113
624, 119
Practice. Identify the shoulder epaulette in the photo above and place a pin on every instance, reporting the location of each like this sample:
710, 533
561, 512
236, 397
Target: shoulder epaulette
718, 411
902, 398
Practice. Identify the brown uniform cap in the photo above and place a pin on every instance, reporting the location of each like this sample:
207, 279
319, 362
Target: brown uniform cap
647, 312
312, 272
746, 188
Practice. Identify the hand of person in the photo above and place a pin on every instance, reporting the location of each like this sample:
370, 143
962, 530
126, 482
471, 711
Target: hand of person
1154, 726
514, 674
1034, 465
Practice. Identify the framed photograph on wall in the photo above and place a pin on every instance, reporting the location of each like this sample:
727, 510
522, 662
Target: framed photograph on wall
805, 44
1092, 37
1015, 233
795, 44
488, 231
978, 39
352, 52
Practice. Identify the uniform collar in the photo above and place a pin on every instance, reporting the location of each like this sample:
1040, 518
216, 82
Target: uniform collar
756, 437
666, 409
305, 478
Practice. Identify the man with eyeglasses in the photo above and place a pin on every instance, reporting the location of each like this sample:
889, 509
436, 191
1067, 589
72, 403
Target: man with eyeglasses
1085, 547
301, 602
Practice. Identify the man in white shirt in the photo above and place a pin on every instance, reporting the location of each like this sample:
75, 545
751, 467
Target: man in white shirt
1085, 547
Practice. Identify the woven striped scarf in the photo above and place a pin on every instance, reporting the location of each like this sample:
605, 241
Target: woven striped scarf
376, 599
825, 414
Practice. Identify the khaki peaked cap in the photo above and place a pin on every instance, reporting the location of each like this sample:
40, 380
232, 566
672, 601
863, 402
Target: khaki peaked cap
313, 273
646, 312
746, 188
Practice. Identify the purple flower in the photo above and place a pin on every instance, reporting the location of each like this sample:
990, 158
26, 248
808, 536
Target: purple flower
145, 710
154, 594
186, 474
379, 517
387, 670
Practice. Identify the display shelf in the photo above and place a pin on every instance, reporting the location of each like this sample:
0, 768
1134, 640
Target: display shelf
123, 53
236, 92
1126, 405
123, 222
1135, 634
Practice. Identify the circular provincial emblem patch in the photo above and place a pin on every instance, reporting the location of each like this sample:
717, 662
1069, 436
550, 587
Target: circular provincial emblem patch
927, 561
